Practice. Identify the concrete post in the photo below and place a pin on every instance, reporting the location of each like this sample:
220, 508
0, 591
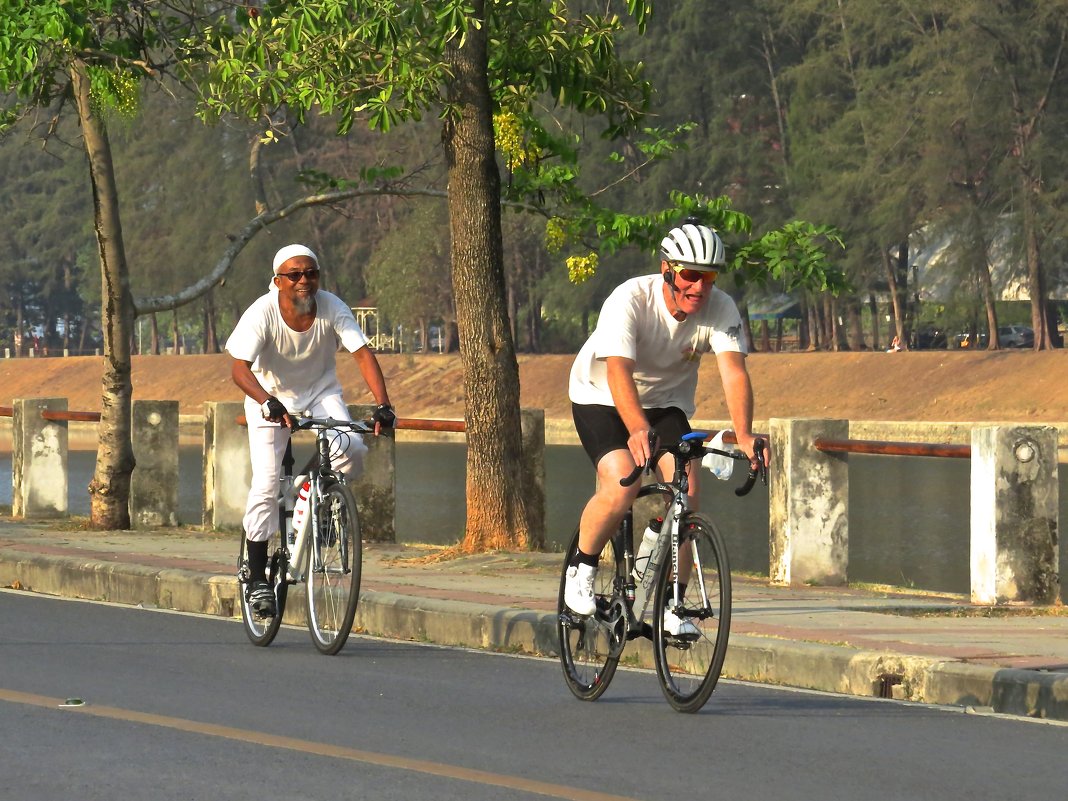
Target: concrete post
809, 496
227, 469
532, 423
38, 459
376, 488
154, 484
1014, 509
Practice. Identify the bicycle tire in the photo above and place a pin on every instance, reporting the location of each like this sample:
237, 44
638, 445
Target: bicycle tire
590, 647
262, 631
689, 668
334, 567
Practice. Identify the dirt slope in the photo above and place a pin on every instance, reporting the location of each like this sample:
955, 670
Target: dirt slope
927, 385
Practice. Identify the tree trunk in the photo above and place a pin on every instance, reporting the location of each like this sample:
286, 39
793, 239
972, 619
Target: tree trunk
747, 328
154, 349
873, 306
109, 491
502, 508
897, 277
1036, 279
211, 339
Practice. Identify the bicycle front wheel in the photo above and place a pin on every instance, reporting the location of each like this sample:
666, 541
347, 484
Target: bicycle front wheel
262, 631
690, 658
335, 559
590, 646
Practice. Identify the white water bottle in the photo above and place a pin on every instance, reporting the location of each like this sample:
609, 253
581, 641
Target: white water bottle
300, 525
720, 466
645, 550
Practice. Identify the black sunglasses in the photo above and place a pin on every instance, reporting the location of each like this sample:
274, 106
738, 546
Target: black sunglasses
296, 275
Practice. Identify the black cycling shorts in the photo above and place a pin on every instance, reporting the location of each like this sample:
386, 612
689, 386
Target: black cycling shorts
600, 428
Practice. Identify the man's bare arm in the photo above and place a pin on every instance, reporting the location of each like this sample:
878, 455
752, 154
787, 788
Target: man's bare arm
738, 393
625, 397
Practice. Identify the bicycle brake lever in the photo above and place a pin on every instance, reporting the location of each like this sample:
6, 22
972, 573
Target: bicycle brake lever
761, 469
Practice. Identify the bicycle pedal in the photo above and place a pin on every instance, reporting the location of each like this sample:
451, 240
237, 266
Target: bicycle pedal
571, 620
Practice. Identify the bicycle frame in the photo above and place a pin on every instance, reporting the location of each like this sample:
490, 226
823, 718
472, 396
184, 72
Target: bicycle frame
677, 506
318, 471
676, 492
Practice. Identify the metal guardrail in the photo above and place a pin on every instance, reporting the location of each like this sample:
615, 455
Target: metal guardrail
409, 424
825, 445
822, 444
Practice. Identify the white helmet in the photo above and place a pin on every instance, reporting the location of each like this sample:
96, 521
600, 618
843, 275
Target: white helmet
693, 244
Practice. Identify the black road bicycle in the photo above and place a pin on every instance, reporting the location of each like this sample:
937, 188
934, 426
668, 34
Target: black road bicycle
690, 546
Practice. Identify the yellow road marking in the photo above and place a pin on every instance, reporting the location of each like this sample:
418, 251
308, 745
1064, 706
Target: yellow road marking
321, 749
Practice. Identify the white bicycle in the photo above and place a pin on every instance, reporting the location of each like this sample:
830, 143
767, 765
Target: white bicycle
325, 551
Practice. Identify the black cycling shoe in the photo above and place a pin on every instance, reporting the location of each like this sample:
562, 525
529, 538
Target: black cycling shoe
261, 599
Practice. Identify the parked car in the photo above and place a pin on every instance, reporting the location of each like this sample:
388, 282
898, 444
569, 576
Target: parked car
929, 338
1015, 336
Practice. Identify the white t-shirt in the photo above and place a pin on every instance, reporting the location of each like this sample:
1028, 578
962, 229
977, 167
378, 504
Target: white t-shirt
297, 367
635, 323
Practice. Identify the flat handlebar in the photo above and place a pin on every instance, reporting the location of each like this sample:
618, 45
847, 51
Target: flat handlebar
305, 423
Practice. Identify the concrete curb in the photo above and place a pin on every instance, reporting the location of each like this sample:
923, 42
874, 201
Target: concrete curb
808, 665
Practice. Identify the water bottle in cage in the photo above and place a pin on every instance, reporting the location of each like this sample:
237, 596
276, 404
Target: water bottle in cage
645, 549
657, 549
301, 516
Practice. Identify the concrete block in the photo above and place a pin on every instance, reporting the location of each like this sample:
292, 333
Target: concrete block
227, 469
1014, 515
808, 515
532, 423
38, 460
376, 488
154, 484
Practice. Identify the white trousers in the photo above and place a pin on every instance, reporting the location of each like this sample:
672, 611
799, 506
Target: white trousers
267, 445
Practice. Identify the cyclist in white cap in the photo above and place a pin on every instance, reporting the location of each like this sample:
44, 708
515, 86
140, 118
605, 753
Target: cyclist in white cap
284, 350
635, 381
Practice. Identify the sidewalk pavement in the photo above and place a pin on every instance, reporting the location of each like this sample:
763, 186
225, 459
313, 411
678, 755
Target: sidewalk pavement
922, 647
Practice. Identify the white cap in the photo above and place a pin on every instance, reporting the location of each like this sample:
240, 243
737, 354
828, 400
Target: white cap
289, 251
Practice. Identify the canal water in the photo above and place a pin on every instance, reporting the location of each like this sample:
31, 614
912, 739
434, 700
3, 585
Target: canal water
909, 516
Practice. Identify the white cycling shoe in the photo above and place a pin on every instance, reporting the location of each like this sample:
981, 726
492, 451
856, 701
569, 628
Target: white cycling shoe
680, 626
578, 589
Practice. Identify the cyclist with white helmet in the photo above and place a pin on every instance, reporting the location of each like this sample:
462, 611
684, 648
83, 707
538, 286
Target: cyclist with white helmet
635, 381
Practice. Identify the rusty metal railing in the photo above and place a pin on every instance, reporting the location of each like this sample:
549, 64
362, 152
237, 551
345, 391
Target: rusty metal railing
409, 424
822, 444
878, 447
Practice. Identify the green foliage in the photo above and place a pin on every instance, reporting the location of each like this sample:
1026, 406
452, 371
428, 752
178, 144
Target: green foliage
794, 257
408, 277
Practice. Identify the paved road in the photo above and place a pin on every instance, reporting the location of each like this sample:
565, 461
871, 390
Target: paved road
177, 706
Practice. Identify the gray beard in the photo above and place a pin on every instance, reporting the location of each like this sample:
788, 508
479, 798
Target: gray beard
304, 305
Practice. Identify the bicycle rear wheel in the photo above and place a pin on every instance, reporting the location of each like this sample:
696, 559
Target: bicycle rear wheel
590, 646
335, 559
689, 665
261, 631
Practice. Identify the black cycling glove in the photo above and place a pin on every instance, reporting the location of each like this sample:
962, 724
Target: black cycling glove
273, 409
384, 415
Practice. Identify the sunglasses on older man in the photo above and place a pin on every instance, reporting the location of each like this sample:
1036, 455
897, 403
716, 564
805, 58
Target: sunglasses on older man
693, 276
296, 275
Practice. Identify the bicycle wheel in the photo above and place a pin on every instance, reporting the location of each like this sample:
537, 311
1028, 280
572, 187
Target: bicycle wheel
689, 665
590, 646
261, 631
335, 559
